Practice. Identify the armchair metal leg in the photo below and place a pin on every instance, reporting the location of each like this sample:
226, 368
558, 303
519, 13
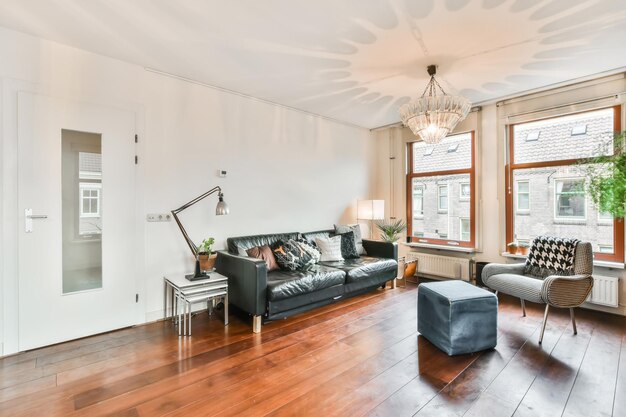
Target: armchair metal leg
543, 325
256, 324
523, 307
571, 313
496, 293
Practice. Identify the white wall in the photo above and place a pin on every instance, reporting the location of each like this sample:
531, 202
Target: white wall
287, 170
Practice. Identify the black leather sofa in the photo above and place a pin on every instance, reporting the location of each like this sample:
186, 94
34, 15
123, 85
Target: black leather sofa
279, 294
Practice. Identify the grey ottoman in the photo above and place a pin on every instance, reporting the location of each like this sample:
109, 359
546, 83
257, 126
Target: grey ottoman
457, 317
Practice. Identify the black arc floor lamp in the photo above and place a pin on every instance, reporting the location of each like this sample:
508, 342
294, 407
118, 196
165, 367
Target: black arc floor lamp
220, 209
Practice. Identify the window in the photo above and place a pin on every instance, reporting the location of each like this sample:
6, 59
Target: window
464, 191
418, 201
605, 217
89, 200
453, 147
442, 198
465, 229
579, 130
532, 136
569, 197
436, 183
605, 248
523, 196
553, 166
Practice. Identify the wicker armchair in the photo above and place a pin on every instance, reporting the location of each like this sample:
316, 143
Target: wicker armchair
556, 290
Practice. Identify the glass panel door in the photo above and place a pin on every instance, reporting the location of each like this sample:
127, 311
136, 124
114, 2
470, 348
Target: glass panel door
82, 210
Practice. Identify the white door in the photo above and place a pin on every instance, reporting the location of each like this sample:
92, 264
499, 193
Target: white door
76, 186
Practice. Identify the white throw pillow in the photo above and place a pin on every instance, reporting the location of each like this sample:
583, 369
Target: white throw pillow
330, 248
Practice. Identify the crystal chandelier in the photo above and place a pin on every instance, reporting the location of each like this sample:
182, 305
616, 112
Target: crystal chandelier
433, 115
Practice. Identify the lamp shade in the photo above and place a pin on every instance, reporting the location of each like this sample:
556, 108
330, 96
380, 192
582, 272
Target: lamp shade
221, 208
370, 209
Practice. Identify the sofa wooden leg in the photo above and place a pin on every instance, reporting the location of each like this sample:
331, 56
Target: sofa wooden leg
394, 283
571, 313
523, 307
256, 324
543, 325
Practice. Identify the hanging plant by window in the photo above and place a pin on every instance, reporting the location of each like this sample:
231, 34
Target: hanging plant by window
606, 178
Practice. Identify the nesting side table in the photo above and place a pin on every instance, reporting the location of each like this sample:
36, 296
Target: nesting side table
182, 294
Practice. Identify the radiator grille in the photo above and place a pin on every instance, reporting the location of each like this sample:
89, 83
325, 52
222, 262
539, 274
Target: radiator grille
604, 291
441, 266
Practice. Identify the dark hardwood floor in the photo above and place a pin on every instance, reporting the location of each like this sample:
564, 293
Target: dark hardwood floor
362, 356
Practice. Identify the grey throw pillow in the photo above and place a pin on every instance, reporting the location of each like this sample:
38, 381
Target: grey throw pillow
340, 229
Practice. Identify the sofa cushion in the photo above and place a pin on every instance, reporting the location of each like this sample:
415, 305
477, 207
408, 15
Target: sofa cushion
285, 284
264, 252
292, 256
348, 246
364, 267
520, 286
356, 229
330, 248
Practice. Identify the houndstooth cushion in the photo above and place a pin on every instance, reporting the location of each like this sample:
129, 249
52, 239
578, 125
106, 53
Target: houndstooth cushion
551, 256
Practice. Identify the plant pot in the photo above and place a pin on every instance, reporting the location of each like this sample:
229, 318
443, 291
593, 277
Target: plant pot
523, 250
207, 262
512, 250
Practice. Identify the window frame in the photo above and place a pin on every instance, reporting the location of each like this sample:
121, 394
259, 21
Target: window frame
461, 196
557, 217
421, 186
89, 186
517, 193
618, 224
469, 232
447, 196
409, 201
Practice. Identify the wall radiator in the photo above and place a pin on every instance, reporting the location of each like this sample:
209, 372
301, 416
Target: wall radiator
440, 266
605, 291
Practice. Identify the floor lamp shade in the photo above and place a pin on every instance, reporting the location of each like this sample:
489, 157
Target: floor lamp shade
370, 210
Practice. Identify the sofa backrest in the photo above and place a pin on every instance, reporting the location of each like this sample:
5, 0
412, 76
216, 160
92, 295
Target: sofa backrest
239, 245
583, 259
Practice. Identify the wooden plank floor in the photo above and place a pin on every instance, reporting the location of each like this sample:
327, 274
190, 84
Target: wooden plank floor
362, 356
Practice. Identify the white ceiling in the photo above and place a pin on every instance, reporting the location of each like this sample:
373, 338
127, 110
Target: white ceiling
352, 60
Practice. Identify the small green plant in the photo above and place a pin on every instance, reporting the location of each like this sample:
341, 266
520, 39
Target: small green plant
206, 247
606, 177
391, 229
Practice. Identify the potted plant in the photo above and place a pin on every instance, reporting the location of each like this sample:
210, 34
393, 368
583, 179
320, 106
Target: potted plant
391, 229
606, 177
512, 247
205, 254
523, 248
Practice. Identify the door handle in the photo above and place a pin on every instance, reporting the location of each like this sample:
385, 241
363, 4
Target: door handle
28, 219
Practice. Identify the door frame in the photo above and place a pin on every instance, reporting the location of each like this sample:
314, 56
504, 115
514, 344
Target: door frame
10, 226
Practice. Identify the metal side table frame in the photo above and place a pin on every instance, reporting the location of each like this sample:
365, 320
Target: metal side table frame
183, 293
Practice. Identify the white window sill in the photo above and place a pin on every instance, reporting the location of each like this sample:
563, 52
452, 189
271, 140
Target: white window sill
440, 247
601, 264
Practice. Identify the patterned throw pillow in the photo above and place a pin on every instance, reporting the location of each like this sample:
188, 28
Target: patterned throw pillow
290, 256
356, 229
330, 248
348, 246
310, 248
